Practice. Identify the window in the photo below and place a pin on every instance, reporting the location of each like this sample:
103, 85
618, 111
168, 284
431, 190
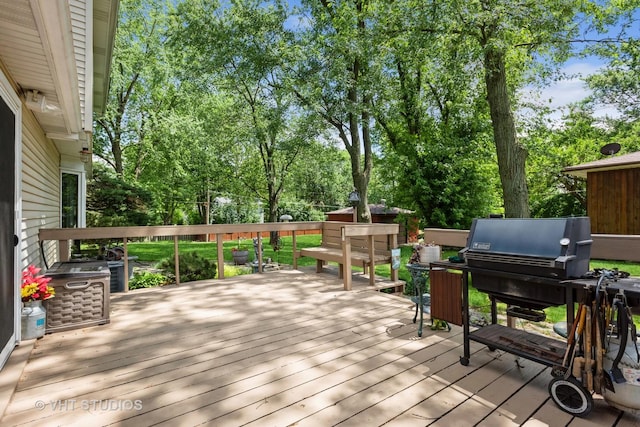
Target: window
70, 200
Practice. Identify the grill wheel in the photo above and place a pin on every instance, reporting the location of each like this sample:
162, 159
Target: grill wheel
571, 396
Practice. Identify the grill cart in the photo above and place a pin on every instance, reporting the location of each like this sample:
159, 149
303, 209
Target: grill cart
532, 264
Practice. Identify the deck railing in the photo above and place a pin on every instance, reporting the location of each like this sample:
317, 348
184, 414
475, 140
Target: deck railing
605, 246
64, 235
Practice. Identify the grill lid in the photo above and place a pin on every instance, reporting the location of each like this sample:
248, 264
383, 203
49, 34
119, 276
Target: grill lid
551, 247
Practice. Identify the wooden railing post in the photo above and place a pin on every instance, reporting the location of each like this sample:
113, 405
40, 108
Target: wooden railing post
346, 260
126, 264
177, 258
393, 244
372, 256
293, 243
63, 250
220, 247
259, 252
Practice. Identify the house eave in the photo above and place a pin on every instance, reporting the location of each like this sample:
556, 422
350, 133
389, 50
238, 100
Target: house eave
105, 21
54, 26
57, 56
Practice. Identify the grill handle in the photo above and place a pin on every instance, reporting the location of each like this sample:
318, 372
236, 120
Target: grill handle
77, 285
584, 242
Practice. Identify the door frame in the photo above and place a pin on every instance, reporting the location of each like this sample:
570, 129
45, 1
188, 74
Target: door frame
12, 100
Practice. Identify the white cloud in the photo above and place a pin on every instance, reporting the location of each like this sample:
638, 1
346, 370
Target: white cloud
569, 90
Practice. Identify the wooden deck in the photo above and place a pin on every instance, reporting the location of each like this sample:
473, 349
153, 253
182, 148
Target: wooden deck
278, 349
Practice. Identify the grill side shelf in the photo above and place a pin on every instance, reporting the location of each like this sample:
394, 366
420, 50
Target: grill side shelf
538, 348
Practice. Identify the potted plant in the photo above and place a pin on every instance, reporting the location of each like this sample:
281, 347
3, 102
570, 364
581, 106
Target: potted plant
34, 290
425, 253
239, 254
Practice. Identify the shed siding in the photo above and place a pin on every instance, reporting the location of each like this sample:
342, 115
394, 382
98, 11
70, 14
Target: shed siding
40, 189
614, 201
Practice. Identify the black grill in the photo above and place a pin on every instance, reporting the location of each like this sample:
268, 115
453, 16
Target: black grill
494, 260
523, 262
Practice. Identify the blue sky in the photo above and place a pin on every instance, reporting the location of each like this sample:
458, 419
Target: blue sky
574, 89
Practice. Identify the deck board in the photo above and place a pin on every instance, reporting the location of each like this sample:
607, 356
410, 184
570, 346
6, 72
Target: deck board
385, 388
513, 413
278, 349
488, 388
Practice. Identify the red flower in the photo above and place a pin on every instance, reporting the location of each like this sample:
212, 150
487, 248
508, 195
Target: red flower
34, 286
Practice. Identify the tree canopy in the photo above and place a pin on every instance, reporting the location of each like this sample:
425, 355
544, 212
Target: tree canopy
286, 108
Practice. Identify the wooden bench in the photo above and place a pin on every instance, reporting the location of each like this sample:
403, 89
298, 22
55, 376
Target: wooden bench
348, 244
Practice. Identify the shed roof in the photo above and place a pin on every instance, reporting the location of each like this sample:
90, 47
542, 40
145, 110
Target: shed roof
376, 209
626, 161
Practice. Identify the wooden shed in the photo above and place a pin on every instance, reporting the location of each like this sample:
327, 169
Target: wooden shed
613, 193
381, 213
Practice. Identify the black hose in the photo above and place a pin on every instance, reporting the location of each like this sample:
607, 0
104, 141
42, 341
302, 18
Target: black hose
599, 313
44, 257
623, 333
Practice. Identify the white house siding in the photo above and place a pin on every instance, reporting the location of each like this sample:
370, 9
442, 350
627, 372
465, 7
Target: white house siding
40, 190
81, 46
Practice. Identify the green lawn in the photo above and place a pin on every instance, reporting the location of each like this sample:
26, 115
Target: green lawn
153, 252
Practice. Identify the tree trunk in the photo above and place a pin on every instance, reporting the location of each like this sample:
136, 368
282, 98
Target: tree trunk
360, 173
267, 150
511, 154
273, 217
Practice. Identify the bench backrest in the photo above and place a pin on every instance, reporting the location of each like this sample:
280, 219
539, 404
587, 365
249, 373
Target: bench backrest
332, 237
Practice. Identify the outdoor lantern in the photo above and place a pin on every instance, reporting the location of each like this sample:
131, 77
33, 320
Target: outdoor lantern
85, 154
354, 199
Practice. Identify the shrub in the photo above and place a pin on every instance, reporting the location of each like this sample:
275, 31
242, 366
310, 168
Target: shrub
192, 267
146, 279
236, 270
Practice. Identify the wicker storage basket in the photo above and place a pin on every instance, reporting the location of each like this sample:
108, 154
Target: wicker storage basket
82, 295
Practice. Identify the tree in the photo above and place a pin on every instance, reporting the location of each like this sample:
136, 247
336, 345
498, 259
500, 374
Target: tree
581, 134
508, 39
229, 107
434, 120
242, 50
113, 202
332, 80
509, 36
323, 177
137, 72
618, 85
553, 193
